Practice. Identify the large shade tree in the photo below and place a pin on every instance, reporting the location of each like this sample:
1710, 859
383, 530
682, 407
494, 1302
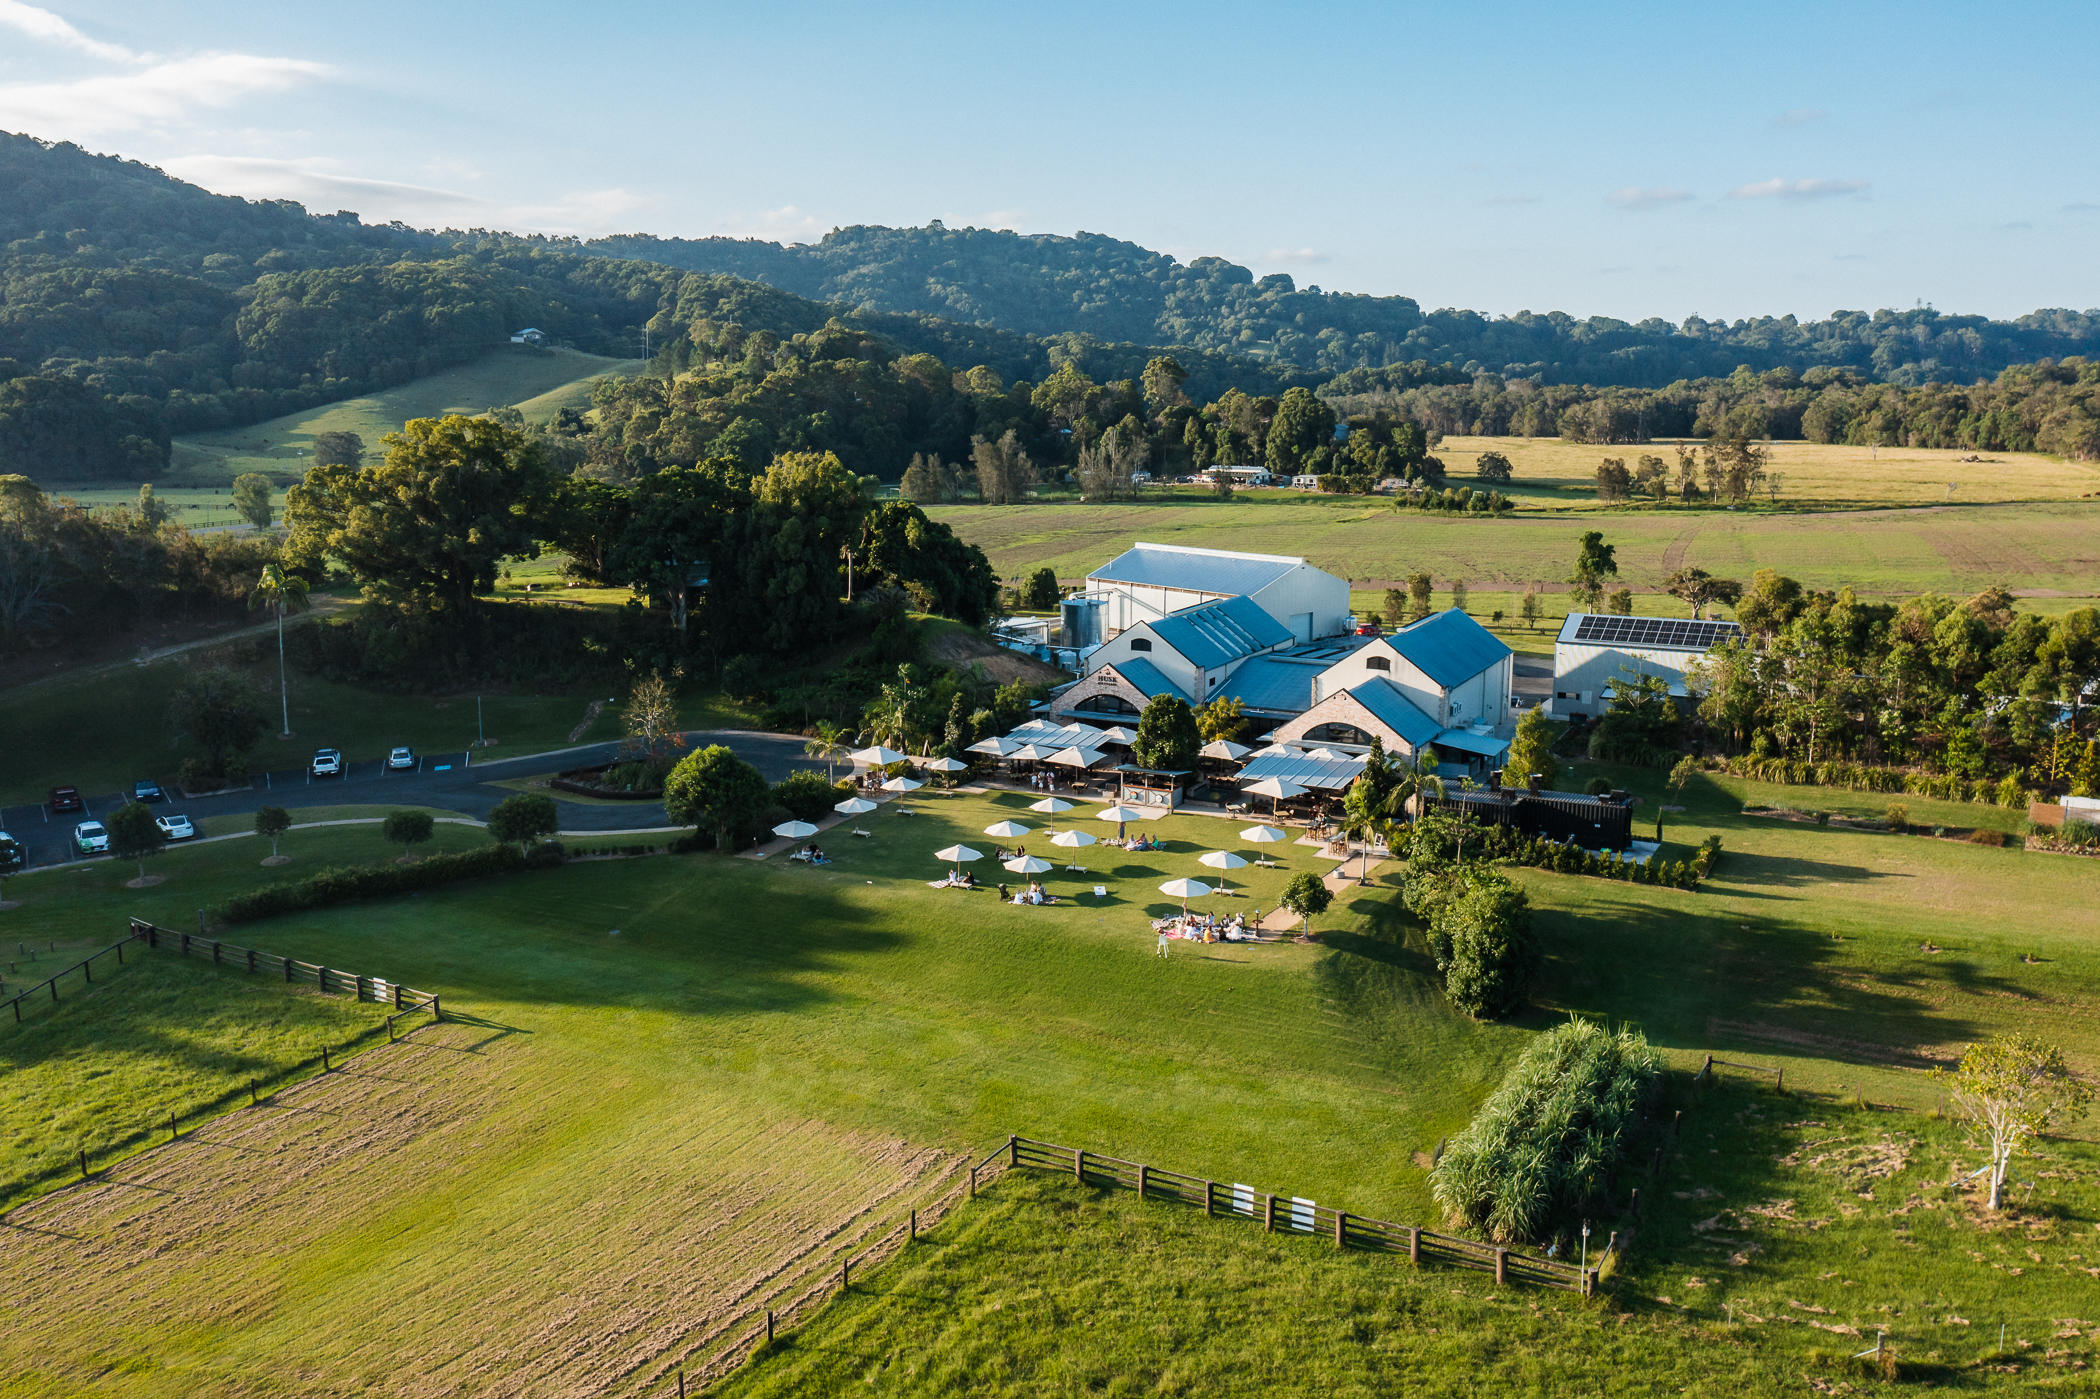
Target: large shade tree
431, 524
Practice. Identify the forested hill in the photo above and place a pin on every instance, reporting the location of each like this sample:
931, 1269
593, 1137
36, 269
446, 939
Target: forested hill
1042, 284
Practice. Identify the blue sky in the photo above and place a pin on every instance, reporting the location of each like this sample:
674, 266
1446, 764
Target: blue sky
1627, 160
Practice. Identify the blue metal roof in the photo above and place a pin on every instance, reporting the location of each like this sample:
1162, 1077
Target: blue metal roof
1274, 683
1146, 676
1449, 647
1466, 741
1328, 774
1196, 570
1220, 632
1389, 704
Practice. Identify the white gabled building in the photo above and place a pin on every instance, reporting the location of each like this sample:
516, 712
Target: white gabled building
1150, 581
1595, 648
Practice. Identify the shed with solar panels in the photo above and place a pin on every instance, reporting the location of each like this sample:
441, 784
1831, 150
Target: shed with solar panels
1595, 648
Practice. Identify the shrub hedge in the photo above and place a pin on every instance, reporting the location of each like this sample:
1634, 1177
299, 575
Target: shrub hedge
1867, 777
344, 884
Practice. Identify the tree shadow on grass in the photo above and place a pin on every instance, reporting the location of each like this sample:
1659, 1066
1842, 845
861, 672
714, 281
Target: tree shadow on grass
1713, 983
1741, 873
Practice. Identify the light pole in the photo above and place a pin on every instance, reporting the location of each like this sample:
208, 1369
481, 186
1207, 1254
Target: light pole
1585, 1248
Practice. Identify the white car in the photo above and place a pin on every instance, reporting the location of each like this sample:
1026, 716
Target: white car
12, 854
175, 827
401, 759
89, 838
328, 762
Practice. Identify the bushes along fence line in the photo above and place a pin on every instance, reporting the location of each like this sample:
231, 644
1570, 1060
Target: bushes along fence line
343, 884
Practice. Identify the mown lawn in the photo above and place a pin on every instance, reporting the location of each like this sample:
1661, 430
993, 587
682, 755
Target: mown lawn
644, 1002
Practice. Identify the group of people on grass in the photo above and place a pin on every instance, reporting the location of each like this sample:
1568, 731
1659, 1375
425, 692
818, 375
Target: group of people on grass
1207, 927
1033, 894
811, 854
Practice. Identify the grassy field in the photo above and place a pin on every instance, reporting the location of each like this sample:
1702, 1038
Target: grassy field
2051, 550
1554, 474
154, 1035
687, 1056
538, 381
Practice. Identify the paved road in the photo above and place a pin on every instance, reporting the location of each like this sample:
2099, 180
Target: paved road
445, 780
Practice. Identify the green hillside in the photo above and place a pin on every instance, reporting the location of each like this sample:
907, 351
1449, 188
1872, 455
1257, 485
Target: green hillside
541, 382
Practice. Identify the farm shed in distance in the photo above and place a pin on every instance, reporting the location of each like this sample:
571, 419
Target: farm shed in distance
1594, 648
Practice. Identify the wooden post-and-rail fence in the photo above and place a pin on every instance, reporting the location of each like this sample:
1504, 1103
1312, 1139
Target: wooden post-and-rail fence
1291, 1214
333, 981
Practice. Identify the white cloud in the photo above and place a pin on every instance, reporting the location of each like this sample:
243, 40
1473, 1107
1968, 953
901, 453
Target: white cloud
323, 186
56, 30
151, 96
1297, 257
1636, 198
787, 224
1800, 116
1798, 189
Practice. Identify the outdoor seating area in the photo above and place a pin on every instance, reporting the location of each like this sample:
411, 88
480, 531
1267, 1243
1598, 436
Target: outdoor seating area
1207, 927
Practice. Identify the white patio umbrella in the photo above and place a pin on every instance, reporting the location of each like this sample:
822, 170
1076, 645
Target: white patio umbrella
945, 765
1029, 753
1184, 890
1120, 813
1264, 835
902, 784
1006, 830
1076, 757
956, 854
1222, 860
878, 756
993, 747
1053, 805
794, 830
1071, 840
1223, 749
1029, 864
854, 806
1116, 733
1275, 789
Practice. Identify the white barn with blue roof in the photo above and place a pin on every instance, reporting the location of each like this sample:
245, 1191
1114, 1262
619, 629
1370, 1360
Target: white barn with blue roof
1148, 582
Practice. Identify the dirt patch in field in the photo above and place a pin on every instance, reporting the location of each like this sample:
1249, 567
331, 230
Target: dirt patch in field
350, 1236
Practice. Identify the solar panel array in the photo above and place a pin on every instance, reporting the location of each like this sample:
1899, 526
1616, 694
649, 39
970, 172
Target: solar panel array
1676, 632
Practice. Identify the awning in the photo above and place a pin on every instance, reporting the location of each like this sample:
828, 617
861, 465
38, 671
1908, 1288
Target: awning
1466, 741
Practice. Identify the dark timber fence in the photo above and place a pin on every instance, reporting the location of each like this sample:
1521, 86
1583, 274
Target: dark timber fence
1293, 1215
78, 1161
49, 985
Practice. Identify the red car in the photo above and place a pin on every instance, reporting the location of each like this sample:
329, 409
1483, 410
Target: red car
1369, 629
66, 799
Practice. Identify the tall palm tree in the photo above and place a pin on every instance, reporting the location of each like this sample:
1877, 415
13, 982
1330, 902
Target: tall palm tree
281, 592
1414, 781
828, 743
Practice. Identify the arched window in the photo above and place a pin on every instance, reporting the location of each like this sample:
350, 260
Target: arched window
1377, 663
1107, 704
1339, 733
1141, 643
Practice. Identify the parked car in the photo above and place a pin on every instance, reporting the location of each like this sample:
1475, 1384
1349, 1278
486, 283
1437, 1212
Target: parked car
147, 790
328, 762
89, 838
175, 826
1369, 629
401, 759
12, 854
66, 799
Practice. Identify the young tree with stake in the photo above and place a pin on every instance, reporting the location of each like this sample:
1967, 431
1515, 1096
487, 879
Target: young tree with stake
408, 829
272, 822
1308, 896
2014, 1087
135, 835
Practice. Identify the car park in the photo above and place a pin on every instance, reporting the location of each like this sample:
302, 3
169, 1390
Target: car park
89, 838
401, 760
176, 826
147, 790
328, 762
67, 799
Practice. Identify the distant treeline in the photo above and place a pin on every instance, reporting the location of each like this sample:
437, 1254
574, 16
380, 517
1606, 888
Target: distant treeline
2050, 406
1114, 291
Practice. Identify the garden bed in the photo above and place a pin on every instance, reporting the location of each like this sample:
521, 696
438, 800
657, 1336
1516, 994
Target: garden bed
593, 782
